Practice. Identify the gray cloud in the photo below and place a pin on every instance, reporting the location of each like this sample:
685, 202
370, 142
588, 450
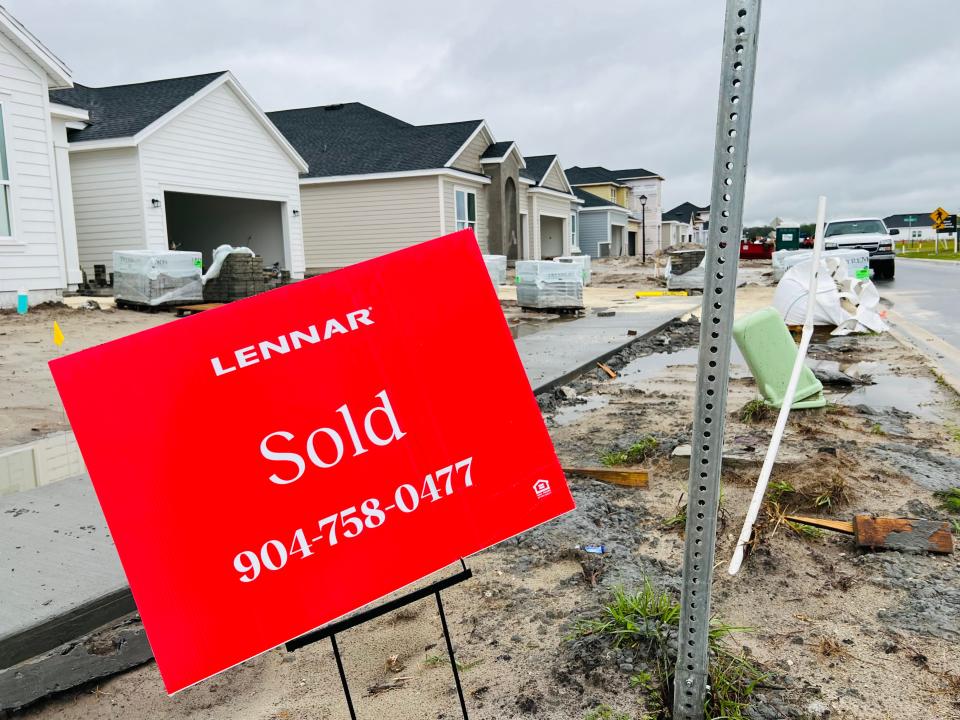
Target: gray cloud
855, 99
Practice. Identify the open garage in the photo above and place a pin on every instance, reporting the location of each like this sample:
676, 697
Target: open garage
204, 222
551, 236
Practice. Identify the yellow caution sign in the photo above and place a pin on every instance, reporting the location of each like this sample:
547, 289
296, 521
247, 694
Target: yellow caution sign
57, 334
939, 215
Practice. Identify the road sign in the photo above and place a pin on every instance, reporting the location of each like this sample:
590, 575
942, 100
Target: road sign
939, 215
271, 465
910, 219
948, 224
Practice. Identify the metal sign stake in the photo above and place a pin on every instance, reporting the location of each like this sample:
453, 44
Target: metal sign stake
741, 27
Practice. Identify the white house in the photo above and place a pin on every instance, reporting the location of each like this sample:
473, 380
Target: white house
186, 163
38, 243
915, 228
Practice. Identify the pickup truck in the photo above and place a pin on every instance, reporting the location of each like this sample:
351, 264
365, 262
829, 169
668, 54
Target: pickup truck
868, 234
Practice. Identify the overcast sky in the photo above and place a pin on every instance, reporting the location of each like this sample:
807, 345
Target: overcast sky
855, 99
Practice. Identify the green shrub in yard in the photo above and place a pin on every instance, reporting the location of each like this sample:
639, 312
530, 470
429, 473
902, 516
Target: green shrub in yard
636, 453
649, 620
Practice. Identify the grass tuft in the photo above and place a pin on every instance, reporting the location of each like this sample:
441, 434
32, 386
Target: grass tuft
636, 453
649, 620
754, 411
877, 429
605, 712
949, 499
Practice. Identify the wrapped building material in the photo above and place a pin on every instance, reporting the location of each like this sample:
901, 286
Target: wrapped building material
858, 261
545, 284
157, 277
497, 267
582, 260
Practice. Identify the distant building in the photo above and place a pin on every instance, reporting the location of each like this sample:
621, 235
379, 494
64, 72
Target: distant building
685, 223
914, 227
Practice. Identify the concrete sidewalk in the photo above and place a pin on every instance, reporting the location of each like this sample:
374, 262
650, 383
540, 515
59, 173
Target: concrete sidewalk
562, 351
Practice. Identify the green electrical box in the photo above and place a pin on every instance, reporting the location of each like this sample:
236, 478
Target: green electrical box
788, 238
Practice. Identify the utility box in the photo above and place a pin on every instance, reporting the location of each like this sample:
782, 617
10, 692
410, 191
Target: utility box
788, 238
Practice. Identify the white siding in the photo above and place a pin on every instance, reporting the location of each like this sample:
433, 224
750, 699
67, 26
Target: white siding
218, 147
34, 261
344, 223
450, 210
107, 205
469, 159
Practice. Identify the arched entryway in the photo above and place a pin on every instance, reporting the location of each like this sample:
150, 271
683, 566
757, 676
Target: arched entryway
512, 236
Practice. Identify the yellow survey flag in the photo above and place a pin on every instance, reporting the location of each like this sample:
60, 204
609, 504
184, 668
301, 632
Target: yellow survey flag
57, 334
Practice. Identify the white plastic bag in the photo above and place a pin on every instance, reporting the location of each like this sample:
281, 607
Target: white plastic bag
219, 255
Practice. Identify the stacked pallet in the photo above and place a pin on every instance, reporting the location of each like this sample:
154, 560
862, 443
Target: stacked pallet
240, 276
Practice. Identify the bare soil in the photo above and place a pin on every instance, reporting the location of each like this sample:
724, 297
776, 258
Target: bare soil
843, 633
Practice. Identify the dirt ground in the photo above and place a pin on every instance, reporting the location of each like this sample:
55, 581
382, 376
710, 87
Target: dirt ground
841, 633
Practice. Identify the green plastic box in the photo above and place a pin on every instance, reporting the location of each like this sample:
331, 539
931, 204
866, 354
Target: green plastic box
770, 352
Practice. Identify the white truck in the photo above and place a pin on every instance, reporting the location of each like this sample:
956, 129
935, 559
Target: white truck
868, 234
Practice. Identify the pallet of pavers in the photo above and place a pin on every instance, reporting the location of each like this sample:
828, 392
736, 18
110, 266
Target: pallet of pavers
67, 616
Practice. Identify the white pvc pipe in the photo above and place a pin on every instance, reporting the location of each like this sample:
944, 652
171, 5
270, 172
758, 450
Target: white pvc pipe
781, 425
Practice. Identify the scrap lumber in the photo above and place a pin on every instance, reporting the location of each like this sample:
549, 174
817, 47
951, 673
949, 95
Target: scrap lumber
888, 533
607, 369
660, 293
628, 478
193, 309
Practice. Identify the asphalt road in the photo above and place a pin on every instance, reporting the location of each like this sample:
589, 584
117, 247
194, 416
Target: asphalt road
927, 293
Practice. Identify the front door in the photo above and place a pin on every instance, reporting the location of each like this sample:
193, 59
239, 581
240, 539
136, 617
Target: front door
631, 243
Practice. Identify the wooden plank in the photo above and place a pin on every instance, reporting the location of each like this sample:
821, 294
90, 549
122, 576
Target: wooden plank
191, 309
628, 478
607, 370
902, 534
836, 525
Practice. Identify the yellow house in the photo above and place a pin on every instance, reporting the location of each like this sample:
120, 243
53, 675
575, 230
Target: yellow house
637, 190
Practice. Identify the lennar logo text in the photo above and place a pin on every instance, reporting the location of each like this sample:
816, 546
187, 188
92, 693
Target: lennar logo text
266, 349
541, 488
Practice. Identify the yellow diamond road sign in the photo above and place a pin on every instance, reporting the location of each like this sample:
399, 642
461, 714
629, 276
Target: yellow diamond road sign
939, 215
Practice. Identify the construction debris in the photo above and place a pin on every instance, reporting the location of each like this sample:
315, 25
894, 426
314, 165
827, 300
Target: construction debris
888, 533
629, 478
607, 370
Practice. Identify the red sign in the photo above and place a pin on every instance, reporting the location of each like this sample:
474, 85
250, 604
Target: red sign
274, 464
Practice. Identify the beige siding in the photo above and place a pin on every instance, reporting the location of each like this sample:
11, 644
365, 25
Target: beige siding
34, 259
219, 147
555, 179
344, 223
107, 204
469, 159
545, 204
483, 214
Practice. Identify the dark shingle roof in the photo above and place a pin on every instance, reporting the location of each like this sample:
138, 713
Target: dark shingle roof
683, 212
590, 200
596, 174
537, 166
124, 110
497, 150
354, 139
920, 219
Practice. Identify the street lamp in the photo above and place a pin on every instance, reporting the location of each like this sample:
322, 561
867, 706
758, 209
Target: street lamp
643, 229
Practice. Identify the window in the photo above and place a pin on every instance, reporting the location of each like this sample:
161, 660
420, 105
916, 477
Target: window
613, 194
916, 234
466, 209
855, 227
6, 226
573, 231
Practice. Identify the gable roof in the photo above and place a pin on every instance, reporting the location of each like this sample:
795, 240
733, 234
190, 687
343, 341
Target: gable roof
591, 201
920, 220
54, 67
121, 111
355, 139
596, 174
497, 150
683, 212
125, 115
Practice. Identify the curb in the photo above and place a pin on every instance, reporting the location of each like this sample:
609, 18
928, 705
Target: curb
928, 260
610, 352
931, 348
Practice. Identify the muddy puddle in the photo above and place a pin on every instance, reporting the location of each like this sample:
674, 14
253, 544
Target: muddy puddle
918, 395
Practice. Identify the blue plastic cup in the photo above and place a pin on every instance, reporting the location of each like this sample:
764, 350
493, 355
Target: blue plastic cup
23, 302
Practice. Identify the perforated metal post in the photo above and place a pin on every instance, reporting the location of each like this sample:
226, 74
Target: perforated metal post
723, 252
